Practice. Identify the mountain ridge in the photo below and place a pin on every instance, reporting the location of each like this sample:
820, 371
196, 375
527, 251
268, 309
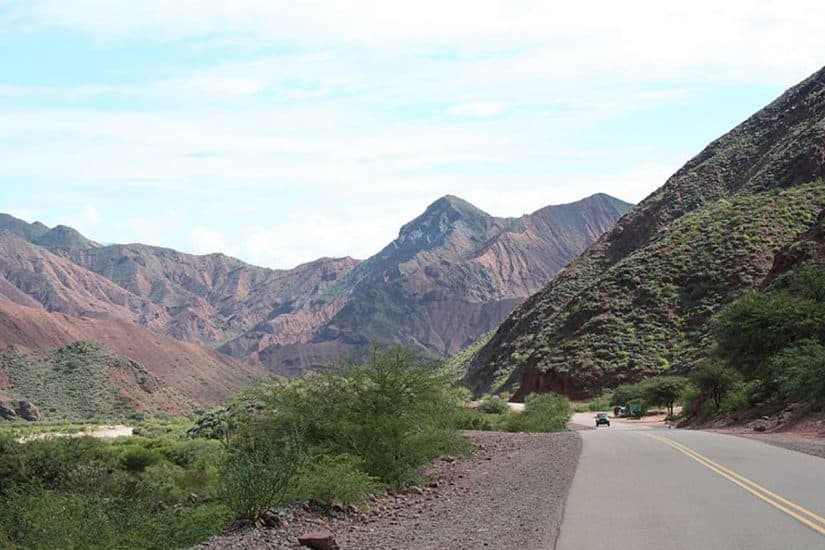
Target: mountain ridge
452, 266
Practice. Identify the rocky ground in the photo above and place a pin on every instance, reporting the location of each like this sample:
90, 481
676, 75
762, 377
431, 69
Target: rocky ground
794, 427
509, 494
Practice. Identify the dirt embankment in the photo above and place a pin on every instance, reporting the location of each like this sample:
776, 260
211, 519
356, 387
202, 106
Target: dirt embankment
509, 494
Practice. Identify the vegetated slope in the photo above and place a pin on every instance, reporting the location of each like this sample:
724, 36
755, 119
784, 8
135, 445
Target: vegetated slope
637, 301
203, 375
809, 248
83, 381
452, 274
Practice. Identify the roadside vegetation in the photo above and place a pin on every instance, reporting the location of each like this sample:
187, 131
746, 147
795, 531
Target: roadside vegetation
661, 391
326, 438
542, 413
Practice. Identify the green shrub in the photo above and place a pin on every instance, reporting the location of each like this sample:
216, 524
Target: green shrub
601, 403
517, 422
706, 411
338, 478
543, 412
392, 412
735, 398
493, 404
138, 459
471, 419
258, 469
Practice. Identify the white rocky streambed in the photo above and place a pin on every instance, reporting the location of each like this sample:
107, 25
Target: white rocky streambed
103, 432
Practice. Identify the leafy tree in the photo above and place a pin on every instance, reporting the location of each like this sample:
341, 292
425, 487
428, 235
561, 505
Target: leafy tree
716, 379
664, 390
625, 393
801, 371
759, 325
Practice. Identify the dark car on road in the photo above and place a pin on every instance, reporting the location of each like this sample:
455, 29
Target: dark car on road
601, 418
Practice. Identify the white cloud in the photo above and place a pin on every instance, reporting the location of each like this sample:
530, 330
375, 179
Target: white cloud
91, 214
705, 38
231, 86
204, 240
478, 108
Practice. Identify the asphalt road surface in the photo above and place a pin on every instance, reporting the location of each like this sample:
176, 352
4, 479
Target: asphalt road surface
641, 487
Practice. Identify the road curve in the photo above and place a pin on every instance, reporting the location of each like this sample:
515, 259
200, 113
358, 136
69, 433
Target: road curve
678, 489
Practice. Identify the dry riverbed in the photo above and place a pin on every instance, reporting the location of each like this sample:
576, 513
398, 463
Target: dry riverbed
103, 432
509, 494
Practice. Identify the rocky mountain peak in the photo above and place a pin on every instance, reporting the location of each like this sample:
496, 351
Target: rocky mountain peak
440, 219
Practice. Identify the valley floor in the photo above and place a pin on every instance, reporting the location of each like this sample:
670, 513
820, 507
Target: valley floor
509, 494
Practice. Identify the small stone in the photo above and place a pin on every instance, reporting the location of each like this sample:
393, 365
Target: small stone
318, 540
415, 490
193, 497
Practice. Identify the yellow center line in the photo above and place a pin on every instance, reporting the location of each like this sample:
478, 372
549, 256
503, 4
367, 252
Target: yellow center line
814, 521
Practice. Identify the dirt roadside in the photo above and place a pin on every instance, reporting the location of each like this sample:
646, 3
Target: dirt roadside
509, 494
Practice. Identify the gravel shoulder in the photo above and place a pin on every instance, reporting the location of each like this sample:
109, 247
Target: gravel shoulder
814, 447
510, 493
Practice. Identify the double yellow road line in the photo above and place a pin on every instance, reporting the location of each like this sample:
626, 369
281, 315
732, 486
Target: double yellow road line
802, 515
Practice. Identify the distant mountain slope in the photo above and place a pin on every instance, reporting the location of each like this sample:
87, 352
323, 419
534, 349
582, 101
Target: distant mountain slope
638, 300
203, 375
32, 275
452, 274
215, 297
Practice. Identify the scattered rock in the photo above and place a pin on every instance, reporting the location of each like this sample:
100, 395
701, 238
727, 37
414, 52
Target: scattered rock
11, 410
318, 540
270, 518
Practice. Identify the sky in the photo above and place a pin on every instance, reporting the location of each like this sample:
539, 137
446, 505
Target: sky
283, 131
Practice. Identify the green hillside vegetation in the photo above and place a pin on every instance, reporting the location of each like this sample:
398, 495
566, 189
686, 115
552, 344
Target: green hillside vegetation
84, 381
649, 311
771, 344
457, 364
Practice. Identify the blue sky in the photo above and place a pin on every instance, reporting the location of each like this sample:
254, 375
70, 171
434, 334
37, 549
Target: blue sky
279, 132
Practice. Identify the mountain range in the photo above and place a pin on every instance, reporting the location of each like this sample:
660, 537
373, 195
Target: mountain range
640, 300
206, 326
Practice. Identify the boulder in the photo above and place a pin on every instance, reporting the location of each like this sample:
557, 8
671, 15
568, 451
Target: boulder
28, 411
7, 411
318, 540
12, 410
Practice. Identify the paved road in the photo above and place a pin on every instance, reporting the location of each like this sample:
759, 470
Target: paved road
642, 487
